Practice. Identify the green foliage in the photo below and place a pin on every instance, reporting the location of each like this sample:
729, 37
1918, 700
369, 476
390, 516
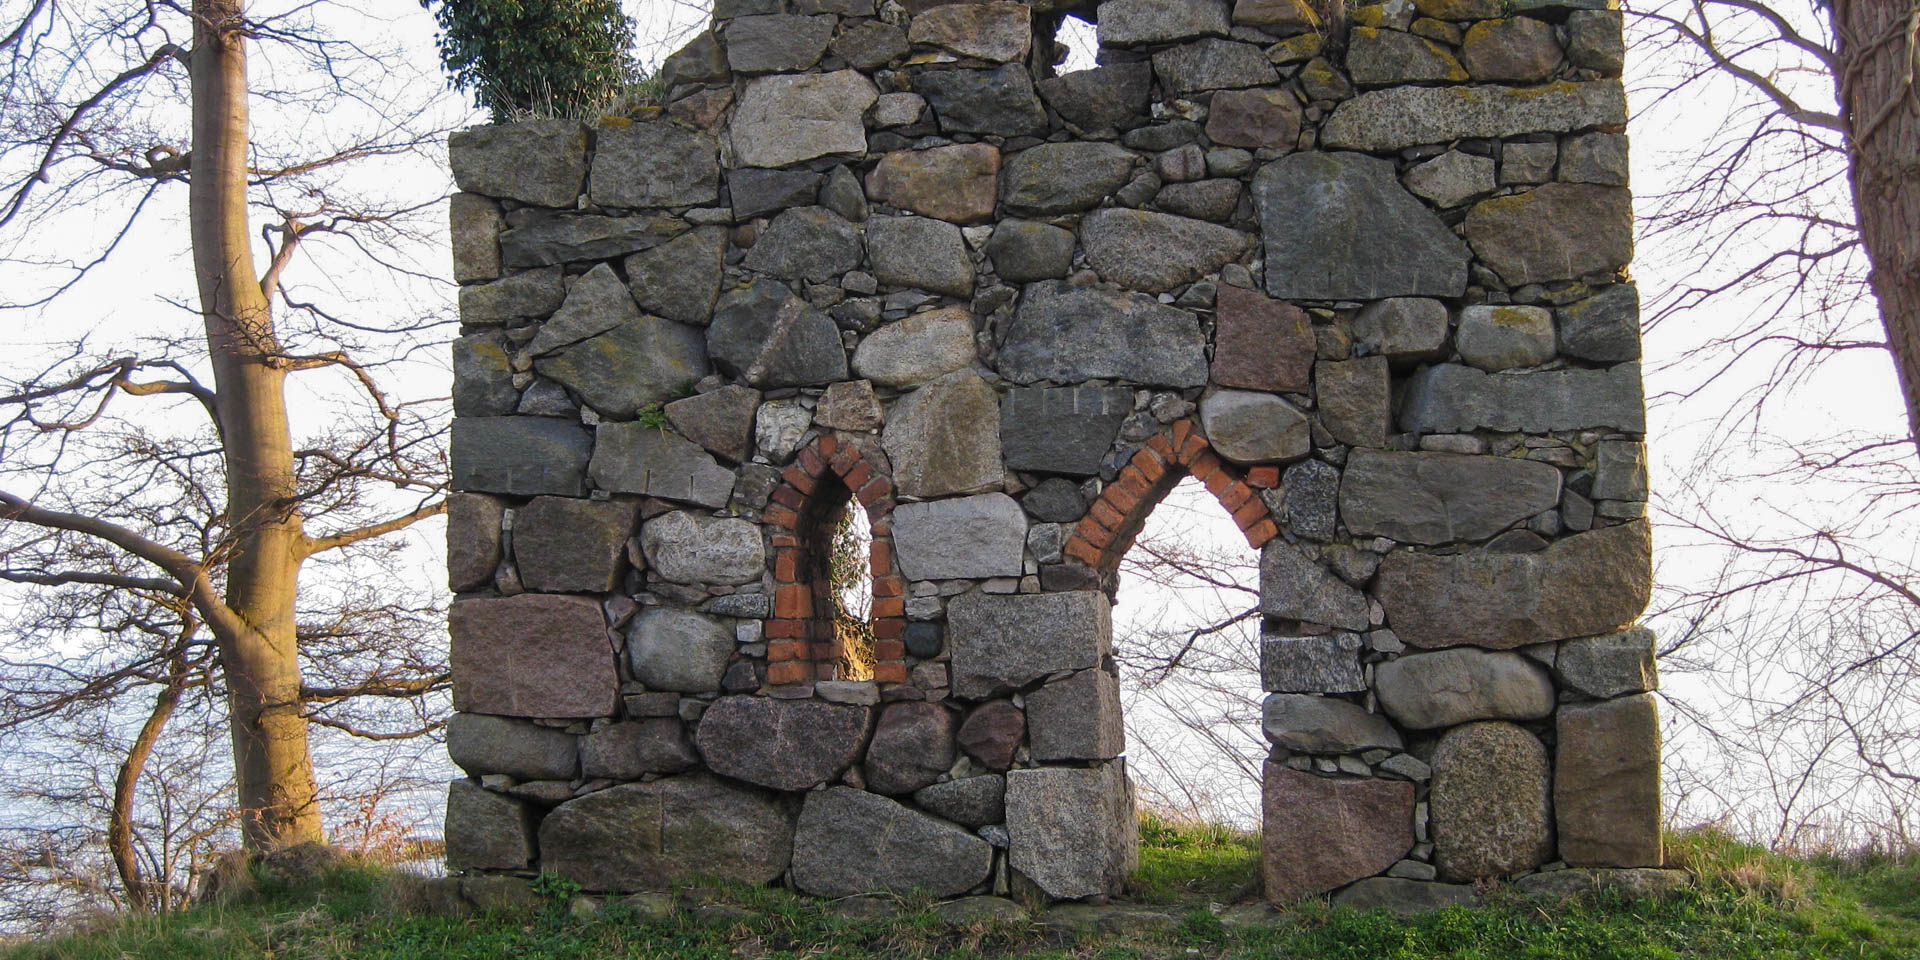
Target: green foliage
652, 415
555, 888
536, 57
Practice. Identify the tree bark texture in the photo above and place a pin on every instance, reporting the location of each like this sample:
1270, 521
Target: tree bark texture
120, 826
1878, 54
259, 656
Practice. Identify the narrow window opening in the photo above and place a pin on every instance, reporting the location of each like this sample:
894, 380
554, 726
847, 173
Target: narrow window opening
849, 572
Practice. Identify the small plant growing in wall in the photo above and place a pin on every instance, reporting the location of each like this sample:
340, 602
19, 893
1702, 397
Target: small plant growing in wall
653, 415
555, 888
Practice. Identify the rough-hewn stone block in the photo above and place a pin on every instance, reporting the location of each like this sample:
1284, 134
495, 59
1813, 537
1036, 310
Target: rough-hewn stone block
651, 836
1606, 782
1320, 832
534, 655
1002, 643
1584, 584
1071, 830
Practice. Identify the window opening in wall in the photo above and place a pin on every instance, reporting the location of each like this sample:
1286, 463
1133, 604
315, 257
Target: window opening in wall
1187, 640
850, 583
1080, 43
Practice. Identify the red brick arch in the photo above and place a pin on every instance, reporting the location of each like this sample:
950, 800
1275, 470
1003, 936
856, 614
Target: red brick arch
801, 645
1105, 534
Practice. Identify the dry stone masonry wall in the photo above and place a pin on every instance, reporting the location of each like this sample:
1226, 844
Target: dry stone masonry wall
1364, 278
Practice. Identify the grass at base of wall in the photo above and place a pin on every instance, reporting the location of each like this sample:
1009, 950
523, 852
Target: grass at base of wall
1749, 904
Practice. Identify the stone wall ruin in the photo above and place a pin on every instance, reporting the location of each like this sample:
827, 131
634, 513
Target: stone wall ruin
1364, 279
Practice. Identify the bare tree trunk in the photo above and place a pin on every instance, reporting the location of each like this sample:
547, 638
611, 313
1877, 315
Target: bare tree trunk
120, 822
1878, 52
273, 767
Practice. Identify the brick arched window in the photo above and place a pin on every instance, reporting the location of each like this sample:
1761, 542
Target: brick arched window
829, 483
1107, 531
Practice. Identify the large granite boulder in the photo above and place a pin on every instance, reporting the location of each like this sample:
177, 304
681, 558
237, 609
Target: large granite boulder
655, 164
1582, 585
1321, 832
981, 536
1339, 226
850, 842
993, 733
1263, 344
1608, 665
487, 831
679, 650
541, 162
483, 376
1248, 426
637, 458
1155, 252
1001, 643
1109, 97
910, 352
480, 744
1071, 334
633, 749
541, 238
912, 746
807, 243
1071, 830
473, 539
527, 294
1606, 782
783, 744
1076, 718
680, 279
1325, 663
1439, 498
719, 420
1000, 101
520, 456
921, 253
1604, 327
763, 334
987, 31
684, 548
1296, 588
787, 119
1558, 231
1453, 398
1056, 178
1424, 691
564, 544
653, 835
642, 362
1388, 120
1133, 23
956, 183
534, 655
969, 801
1324, 725
1491, 809
1061, 430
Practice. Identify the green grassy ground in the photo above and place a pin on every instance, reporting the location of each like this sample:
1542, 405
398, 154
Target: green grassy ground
1748, 904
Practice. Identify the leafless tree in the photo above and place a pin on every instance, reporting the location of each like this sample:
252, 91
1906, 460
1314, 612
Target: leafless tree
156, 509
1785, 549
